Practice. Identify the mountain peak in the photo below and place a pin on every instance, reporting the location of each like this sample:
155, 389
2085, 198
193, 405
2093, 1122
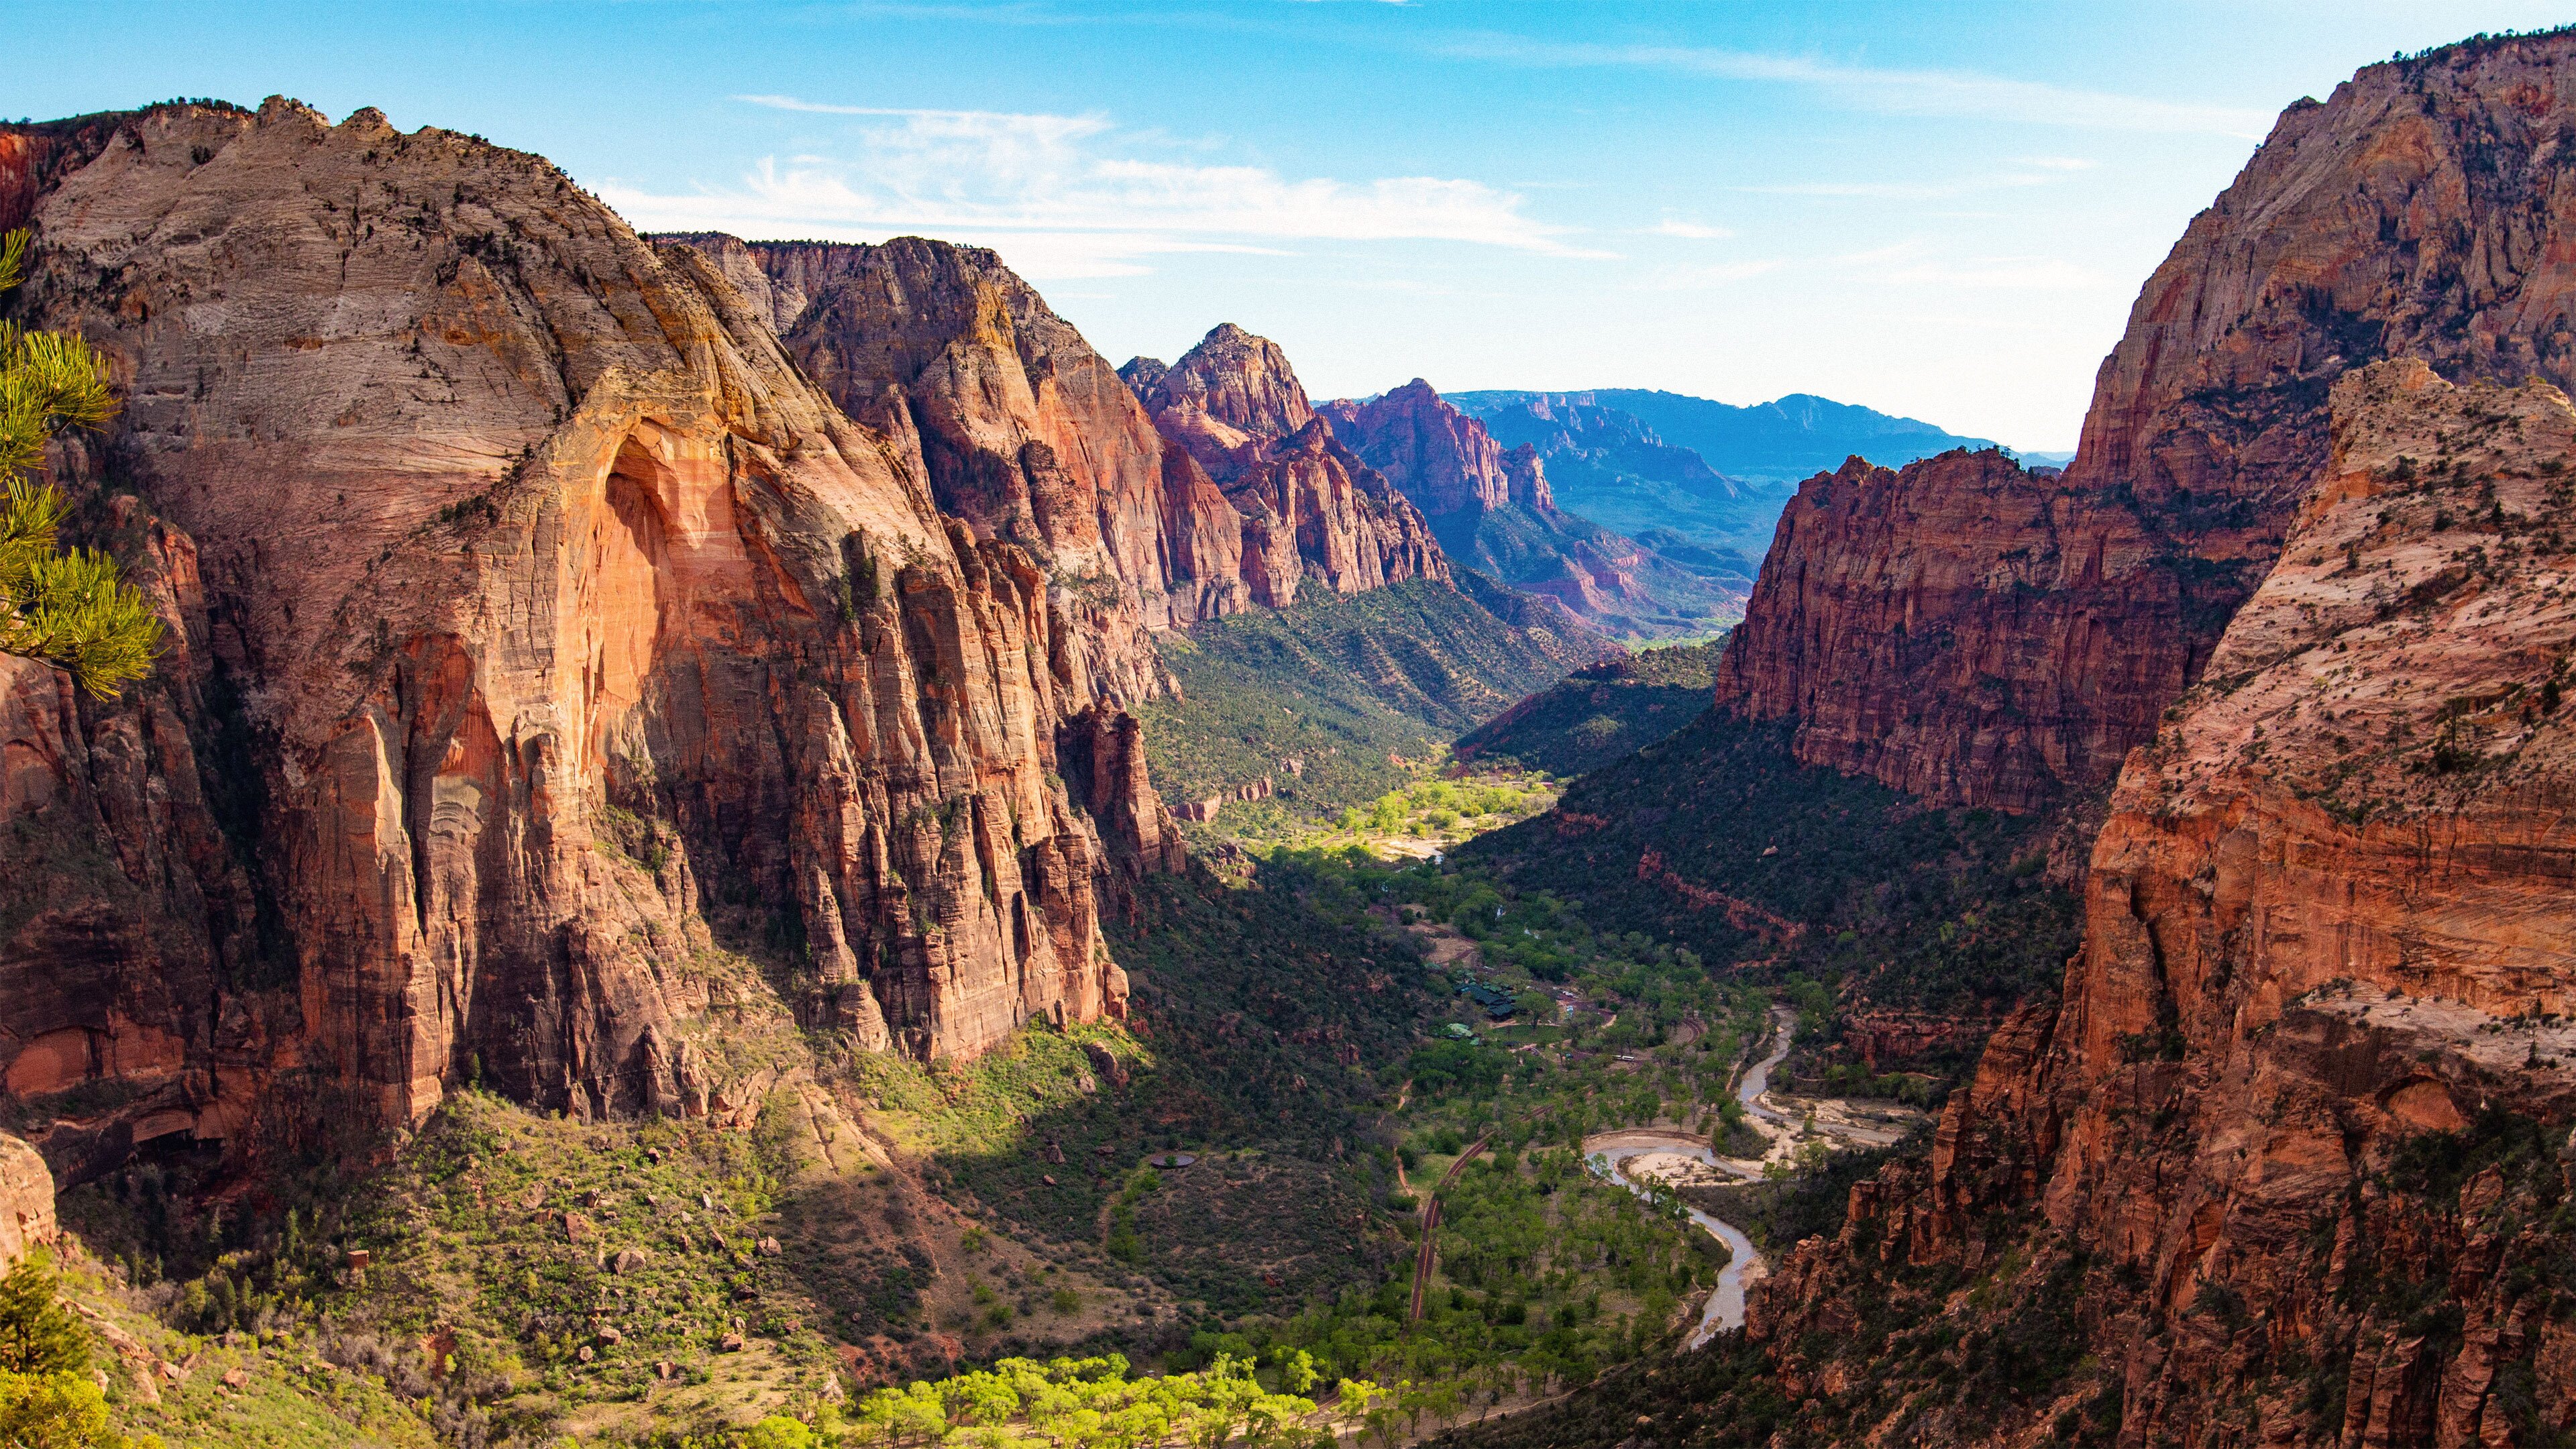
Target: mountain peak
1237, 378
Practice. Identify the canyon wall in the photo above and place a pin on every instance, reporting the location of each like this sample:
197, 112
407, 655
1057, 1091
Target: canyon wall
26, 1200
1028, 435
1237, 424
1989, 637
552, 665
2290, 1156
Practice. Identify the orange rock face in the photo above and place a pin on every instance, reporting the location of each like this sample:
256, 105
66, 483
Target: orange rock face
550, 649
1959, 628
1444, 460
2013, 636
26, 1200
2333, 911
1026, 433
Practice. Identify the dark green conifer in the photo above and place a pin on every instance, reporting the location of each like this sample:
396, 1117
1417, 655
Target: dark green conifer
66, 606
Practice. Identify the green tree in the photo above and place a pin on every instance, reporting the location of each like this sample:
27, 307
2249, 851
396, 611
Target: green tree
37, 1334
778, 1432
54, 1411
65, 606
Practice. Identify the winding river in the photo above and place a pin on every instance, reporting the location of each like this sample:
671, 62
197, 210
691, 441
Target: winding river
1608, 1152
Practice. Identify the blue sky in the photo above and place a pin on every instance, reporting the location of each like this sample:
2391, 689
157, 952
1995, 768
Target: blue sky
1937, 209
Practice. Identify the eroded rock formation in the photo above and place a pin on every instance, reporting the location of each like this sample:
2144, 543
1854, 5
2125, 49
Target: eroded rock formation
1027, 434
552, 658
26, 1200
2422, 211
2290, 1158
1238, 426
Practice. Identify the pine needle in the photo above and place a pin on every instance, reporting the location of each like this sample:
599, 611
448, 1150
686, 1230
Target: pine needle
70, 608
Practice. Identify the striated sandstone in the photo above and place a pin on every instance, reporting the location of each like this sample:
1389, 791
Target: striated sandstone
1443, 459
1238, 427
2422, 211
1026, 433
545, 641
1960, 628
2333, 910
26, 1200
1233, 379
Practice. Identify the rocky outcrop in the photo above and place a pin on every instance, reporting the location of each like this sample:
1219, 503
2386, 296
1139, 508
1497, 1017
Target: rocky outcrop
1960, 628
2419, 212
2295, 1137
552, 661
1238, 427
1492, 510
1026, 433
1443, 459
26, 1200
1231, 378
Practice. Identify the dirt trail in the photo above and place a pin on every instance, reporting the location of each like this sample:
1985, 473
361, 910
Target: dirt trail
1428, 1255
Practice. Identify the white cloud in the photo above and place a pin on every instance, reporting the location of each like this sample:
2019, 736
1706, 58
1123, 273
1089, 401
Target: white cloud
1899, 92
1704, 278
1062, 198
1690, 229
2060, 163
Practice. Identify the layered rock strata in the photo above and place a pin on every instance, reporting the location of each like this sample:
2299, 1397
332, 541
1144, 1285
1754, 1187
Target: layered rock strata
1237, 423
26, 1200
553, 660
2421, 211
1027, 434
2294, 1140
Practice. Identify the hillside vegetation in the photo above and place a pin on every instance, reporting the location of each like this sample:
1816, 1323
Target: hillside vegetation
1600, 713
1361, 693
1854, 895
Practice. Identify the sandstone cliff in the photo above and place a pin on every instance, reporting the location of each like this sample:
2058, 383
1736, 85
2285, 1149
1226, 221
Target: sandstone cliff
26, 1200
2422, 211
1237, 424
2285, 1161
1027, 434
552, 661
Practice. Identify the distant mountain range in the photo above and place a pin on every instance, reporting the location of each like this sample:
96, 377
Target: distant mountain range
1687, 473
1780, 442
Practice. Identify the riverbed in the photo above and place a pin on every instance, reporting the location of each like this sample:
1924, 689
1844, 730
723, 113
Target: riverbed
1610, 1152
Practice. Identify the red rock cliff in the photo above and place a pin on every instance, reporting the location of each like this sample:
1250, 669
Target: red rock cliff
552, 660
1027, 433
2333, 911
26, 1200
1236, 423
2424, 211
1443, 459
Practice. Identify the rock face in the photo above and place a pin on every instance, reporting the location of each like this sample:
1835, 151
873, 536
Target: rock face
1960, 628
2423, 211
1443, 459
1025, 431
1492, 510
26, 1200
2294, 1138
1233, 378
1238, 427
550, 656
